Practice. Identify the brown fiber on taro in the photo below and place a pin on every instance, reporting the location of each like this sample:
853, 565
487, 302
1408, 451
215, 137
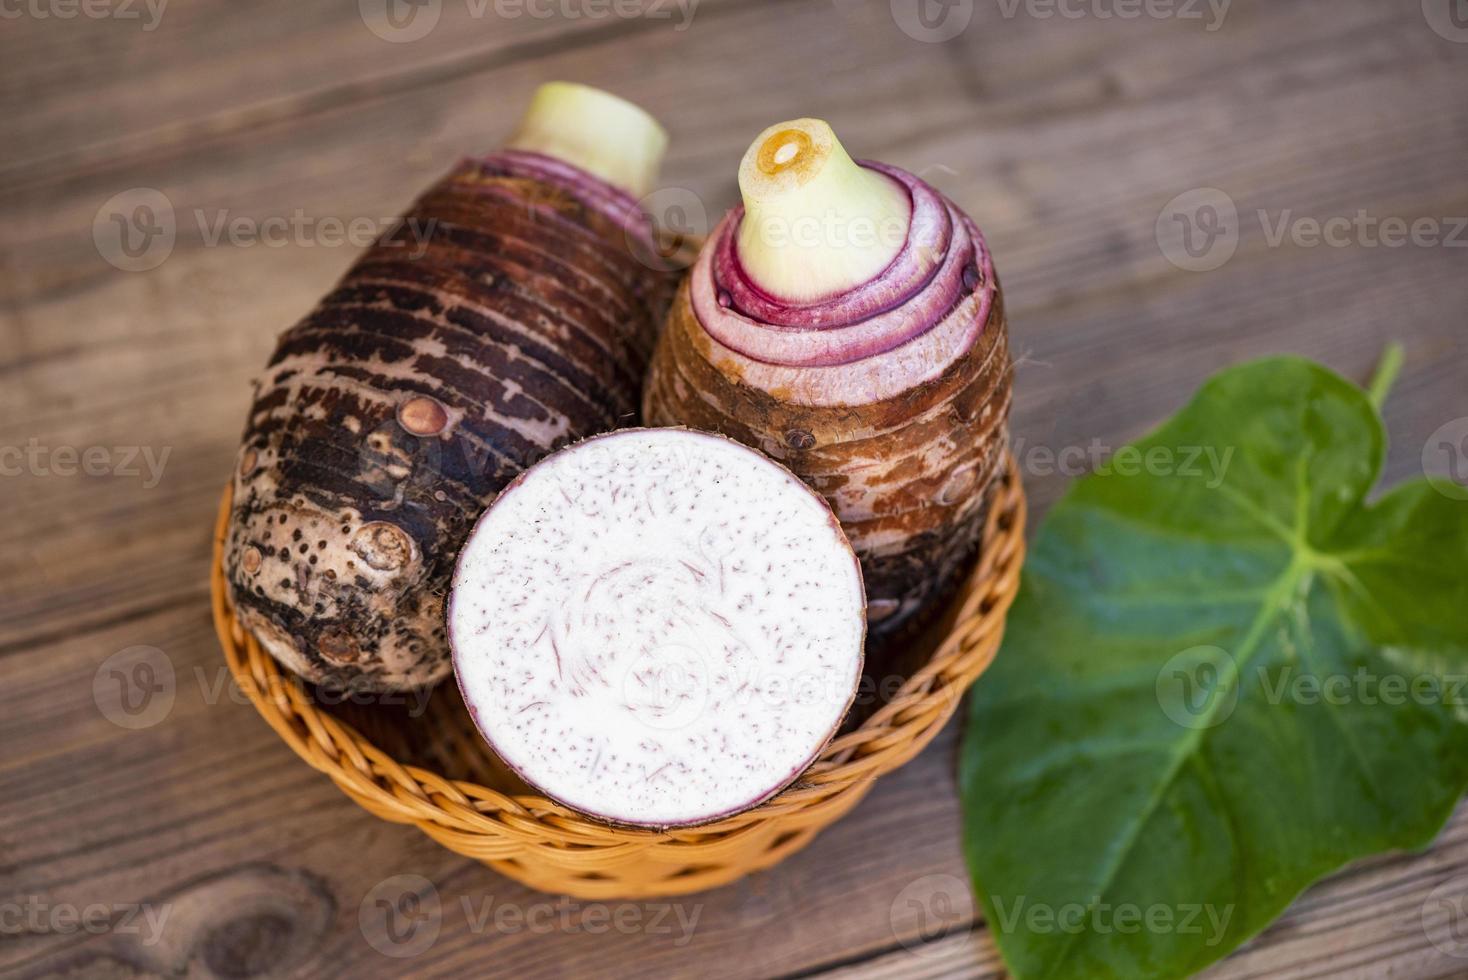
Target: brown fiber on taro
507, 314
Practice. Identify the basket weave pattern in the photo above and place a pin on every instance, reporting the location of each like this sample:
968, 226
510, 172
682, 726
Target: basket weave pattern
553, 849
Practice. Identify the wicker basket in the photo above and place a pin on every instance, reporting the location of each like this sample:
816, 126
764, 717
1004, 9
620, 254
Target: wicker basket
431, 769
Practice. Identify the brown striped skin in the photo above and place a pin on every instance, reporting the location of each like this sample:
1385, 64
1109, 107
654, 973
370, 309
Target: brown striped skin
393, 414
909, 476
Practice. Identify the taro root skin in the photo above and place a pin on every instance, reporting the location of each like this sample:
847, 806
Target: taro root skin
395, 411
658, 627
890, 399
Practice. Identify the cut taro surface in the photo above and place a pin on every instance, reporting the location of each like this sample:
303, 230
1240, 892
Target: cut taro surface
658, 627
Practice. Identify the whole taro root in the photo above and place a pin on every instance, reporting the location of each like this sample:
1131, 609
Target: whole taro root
848, 322
511, 312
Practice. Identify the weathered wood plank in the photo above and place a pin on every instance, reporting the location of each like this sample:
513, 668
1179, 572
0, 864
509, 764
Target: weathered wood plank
155, 72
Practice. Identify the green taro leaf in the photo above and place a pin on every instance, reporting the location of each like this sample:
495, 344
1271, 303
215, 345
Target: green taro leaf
1219, 683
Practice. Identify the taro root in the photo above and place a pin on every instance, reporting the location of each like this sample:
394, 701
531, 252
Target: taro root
848, 322
657, 627
509, 313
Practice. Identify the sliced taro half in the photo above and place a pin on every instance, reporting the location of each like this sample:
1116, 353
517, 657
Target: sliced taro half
658, 627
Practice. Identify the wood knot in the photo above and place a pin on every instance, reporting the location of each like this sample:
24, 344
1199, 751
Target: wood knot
248, 946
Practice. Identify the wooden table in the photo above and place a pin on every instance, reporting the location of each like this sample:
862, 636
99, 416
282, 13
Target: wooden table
1066, 137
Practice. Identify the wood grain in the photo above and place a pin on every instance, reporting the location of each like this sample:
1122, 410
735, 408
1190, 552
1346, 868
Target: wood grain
1065, 138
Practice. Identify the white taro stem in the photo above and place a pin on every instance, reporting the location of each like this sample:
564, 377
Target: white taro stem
816, 223
602, 134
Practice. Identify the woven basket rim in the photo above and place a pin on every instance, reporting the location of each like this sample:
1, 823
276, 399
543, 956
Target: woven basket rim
512, 832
